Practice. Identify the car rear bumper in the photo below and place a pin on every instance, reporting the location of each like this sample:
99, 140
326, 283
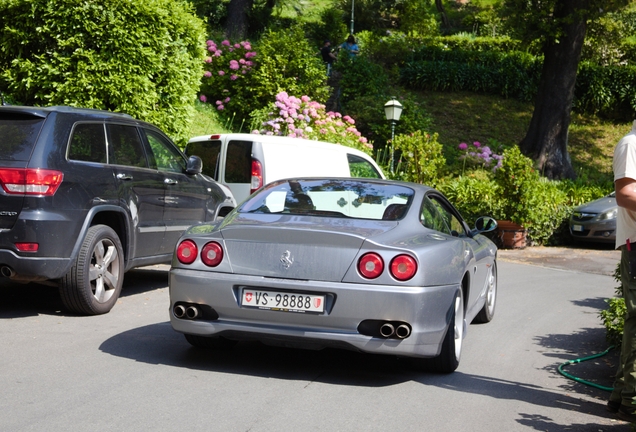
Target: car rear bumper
29, 269
426, 309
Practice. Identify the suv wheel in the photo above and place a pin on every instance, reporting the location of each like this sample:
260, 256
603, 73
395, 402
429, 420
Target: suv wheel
93, 284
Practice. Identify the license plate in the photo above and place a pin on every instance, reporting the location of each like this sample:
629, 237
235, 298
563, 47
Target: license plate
577, 227
282, 301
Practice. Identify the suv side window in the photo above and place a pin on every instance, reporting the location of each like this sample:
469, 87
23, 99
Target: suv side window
430, 217
238, 163
359, 167
88, 143
125, 146
166, 156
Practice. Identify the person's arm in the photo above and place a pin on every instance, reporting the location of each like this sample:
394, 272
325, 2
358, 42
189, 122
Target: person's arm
626, 193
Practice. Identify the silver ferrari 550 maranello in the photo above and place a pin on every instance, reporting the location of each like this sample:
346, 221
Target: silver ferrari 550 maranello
373, 265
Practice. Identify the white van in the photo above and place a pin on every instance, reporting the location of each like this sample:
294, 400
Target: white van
245, 162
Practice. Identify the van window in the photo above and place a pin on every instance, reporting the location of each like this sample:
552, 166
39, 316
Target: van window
360, 167
238, 162
208, 151
88, 143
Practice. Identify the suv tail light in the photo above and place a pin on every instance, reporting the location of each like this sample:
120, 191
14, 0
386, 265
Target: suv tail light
187, 252
371, 265
257, 176
30, 181
403, 267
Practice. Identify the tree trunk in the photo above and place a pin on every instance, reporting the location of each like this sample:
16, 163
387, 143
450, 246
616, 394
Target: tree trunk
547, 137
237, 19
442, 12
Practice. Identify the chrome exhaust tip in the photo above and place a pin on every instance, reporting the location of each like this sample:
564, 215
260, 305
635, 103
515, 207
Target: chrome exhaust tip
192, 312
179, 311
403, 331
387, 330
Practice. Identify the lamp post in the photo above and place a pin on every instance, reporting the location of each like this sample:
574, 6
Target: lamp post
353, 2
392, 111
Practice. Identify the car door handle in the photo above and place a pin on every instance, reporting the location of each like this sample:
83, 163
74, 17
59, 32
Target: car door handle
170, 181
122, 176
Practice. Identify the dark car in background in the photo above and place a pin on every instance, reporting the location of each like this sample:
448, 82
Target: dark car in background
86, 195
595, 221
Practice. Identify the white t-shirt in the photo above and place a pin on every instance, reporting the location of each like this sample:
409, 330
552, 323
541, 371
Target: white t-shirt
625, 167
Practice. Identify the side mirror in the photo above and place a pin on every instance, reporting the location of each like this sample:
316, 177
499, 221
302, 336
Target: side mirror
485, 224
194, 165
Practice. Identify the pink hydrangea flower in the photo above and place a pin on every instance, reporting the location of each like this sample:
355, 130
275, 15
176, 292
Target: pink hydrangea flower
220, 107
208, 59
202, 98
227, 99
233, 77
463, 146
207, 74
226, 43
221, 73
477, 144
234, 65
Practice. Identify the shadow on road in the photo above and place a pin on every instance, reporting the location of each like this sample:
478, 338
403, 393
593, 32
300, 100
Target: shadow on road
32, 299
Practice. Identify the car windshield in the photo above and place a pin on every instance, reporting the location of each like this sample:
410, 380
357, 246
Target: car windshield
335, 198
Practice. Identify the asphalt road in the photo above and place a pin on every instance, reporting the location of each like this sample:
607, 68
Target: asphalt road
129, 371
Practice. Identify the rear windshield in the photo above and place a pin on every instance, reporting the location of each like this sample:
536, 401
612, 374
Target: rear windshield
345, 198
18, 134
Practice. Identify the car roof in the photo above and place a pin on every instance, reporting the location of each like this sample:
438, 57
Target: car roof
45, 111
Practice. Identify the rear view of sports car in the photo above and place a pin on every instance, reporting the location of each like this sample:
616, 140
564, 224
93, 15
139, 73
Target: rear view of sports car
373, 265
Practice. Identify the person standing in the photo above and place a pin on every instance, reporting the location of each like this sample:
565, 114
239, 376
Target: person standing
623, 398
351, 46
327, 56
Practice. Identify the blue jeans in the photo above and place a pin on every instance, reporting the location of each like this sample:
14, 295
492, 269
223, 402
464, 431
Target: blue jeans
625, 382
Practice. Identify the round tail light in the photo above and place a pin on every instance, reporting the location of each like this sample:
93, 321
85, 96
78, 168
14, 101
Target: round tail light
370, 265
187, 252
403, 267
212, 254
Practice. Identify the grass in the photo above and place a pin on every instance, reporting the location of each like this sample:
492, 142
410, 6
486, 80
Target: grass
206, 121
468, 117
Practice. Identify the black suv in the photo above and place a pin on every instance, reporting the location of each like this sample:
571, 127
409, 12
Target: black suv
86, 195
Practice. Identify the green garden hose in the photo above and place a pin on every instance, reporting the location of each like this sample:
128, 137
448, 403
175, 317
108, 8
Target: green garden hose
580, 380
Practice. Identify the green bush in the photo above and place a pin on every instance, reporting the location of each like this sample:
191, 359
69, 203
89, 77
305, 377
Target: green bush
303, 118
141, 58
474, 194
420, 158
605, 90
613, 317
227, 69
285, 62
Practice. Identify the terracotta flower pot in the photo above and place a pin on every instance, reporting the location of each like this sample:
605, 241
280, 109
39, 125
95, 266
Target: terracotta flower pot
510, 235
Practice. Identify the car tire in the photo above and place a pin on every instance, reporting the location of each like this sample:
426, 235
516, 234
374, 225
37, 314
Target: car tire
208, 343
487, 313
93, 284
448, 360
